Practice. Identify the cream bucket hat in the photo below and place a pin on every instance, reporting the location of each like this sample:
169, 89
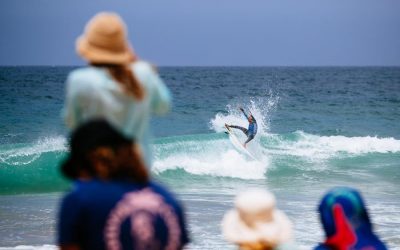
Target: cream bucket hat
255, 219
105, 40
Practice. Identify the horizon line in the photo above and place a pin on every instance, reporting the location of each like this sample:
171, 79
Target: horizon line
207, 66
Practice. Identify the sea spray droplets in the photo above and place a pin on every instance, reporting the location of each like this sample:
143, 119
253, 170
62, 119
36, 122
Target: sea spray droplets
228, 164
214, 155
261, 108
26, 154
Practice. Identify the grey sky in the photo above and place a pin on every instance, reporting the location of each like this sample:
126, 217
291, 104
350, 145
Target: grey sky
210, 32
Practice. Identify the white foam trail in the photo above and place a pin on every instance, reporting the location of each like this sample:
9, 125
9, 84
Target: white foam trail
213, 157
324, 147
26, 154
228, 164
219, 158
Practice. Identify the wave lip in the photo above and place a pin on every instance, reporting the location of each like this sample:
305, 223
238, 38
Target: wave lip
30, 168
34, 167
26, 154
227, 163
310, 146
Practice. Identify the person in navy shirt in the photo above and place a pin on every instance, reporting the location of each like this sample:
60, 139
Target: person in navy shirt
113, 203
251, 131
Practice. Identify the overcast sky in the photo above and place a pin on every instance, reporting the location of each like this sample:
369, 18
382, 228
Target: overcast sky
211, 32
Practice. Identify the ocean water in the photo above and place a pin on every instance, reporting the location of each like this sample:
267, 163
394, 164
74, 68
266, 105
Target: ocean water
318, 128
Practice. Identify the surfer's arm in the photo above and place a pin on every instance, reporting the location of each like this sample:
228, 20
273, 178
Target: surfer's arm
248, 115
244, 113
254, 119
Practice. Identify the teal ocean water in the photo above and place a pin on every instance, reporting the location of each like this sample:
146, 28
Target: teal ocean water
318, 128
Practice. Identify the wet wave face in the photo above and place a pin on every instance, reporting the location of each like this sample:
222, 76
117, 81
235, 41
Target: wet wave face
32, 167
317, 128
35, 167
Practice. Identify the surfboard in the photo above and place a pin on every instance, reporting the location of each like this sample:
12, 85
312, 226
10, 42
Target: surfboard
237, 144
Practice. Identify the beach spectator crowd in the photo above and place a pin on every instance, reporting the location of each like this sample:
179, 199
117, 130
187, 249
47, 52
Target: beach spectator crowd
115, 203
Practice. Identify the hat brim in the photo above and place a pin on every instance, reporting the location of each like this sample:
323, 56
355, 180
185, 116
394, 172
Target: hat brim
277, 231
98, 55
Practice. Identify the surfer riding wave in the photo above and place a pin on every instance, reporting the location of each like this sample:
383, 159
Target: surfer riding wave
251, 131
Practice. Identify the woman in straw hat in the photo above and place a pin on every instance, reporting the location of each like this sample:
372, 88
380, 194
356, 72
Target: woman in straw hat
117, 86
256, 224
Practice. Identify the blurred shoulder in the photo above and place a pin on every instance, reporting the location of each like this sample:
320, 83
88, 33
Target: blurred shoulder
72, 197
143, 67
82, 190
86, 75
85, 80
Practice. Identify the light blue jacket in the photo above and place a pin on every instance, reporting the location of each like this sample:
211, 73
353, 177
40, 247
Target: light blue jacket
92, 93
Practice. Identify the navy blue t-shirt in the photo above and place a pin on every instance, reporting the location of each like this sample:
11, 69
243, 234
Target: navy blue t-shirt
121, 215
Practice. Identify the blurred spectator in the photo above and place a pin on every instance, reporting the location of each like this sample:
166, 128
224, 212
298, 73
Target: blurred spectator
346, 223
114, 204
256, 224
116, 86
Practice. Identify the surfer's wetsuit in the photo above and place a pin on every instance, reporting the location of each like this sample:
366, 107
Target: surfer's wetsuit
251, 131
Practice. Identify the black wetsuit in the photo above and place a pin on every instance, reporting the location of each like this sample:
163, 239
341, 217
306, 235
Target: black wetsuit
251, 131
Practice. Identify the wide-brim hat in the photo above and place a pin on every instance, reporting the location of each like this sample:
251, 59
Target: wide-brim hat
105, 41
255, 219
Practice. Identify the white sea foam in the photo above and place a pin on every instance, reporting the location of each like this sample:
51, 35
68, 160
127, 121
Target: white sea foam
23, 155
210, 157
324, 147
219, 158
229, 163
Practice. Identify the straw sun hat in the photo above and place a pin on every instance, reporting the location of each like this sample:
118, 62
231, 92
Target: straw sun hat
105, 40
255, 219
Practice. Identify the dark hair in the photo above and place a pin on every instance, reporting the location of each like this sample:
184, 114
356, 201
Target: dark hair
98, 150
124, 75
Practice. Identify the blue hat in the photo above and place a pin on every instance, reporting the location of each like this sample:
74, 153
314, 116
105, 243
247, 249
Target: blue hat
345, 220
